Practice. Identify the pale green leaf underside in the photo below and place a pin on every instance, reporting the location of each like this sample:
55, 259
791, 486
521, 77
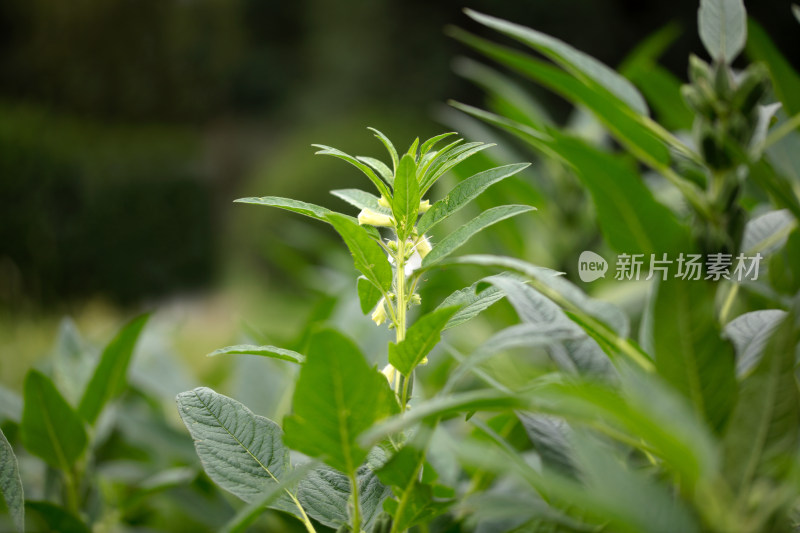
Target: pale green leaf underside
325, 492
461, 235
471, 302
768, 232
569, 58
749, 334
240, 451
11, 483
723, 28
264, 351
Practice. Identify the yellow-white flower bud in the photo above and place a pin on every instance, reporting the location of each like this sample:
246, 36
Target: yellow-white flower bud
424, 206
383, 202
379, 314
390, 372
368, 216
423, 247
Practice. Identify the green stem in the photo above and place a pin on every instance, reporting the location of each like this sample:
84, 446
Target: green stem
401, 388
356, 504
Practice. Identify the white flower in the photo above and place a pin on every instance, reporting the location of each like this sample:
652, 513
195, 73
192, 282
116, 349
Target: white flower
379, 314
373, 218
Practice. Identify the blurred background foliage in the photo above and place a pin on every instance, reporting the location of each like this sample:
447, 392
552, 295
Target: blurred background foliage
127, 127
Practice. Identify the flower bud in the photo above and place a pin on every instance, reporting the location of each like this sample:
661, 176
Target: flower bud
379, 314
424, 206
390, 372
368, 216
383, 202
415, 299
423, 247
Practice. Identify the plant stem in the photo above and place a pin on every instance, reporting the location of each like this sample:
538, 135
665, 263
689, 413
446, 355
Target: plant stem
401, 388
356, 504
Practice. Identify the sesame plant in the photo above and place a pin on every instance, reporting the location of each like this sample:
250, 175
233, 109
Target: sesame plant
691, 426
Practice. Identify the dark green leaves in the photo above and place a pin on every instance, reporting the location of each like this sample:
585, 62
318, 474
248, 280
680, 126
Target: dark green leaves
420, 340
109, 377
405, 204
337, 397
11, 483
242, 452
690, 353
461, 235
723, 28
50, 428
465, 192
265, 351
368, 256
572, 60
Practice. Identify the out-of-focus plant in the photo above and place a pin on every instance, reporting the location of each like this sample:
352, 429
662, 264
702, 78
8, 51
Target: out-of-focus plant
92, 448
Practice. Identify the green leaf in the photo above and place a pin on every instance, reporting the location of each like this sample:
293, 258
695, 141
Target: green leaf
420, 507
723, 28
379, 167
55, 518
405, 203
337, 397
72, 362
440, 165
465, 192
569, 346
574, 61
420, 339
296, 206
109, 378
630, 218
461, 235
662, 90
248, 514
389, 147
641, 136
796, 11
368, 256
359, 199
471, 302
325, 493
50, 428
749, 334
689, 351
762, 436
785, 80
368, 294
430, 143
265, 351
11, 483
240, 451
327, 150
768, 232
550, 436
444, 406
